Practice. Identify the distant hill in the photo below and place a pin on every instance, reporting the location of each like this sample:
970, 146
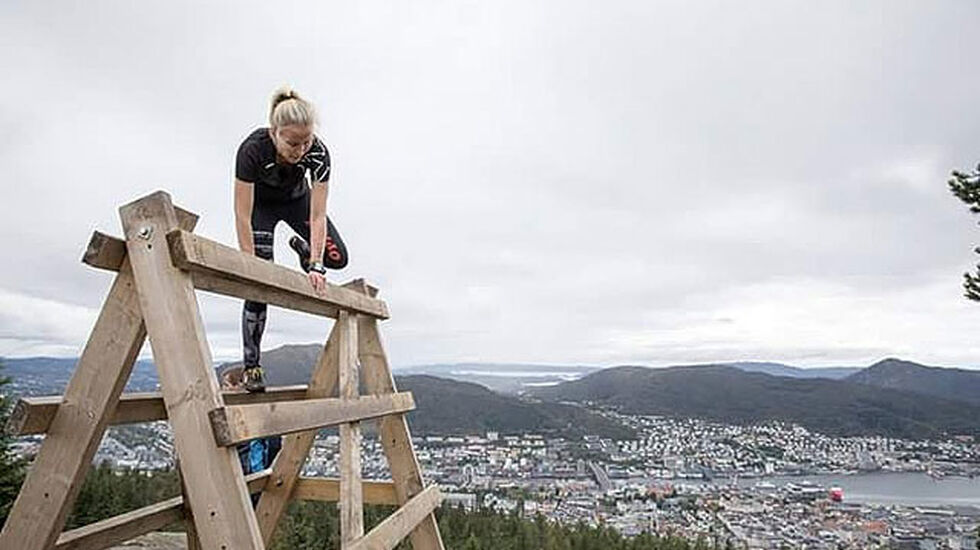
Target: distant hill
50, 375
452, 407
727, 394
291, 364
286, 365
779, 369
947, 383
512, 378
446, 406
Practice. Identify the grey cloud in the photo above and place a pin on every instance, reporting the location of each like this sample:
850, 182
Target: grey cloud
530, 181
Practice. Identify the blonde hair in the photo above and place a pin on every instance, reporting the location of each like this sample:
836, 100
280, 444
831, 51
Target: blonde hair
288, 108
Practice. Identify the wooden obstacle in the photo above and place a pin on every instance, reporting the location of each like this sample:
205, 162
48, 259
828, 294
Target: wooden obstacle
158, 267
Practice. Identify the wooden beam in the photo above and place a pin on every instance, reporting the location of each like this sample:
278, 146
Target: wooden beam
225, 270
76, 427
237, 423
351, 505
396, 440
296, 447
193, 541
328, 490
216, 489
107, 252
118, 529
33, 415
398, 525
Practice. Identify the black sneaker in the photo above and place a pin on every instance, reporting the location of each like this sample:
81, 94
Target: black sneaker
302, 248
254, 379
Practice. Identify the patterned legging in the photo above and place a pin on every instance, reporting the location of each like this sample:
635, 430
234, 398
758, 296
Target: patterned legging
265, 216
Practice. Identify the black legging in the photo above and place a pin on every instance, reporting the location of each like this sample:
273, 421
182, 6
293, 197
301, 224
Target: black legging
265, 216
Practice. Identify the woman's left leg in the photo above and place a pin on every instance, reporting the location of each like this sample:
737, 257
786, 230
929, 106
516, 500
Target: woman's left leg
297, 215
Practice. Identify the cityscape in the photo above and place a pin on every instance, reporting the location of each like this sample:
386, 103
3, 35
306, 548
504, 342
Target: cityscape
743, 486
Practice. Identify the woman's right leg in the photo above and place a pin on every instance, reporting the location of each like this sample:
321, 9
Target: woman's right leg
264, 221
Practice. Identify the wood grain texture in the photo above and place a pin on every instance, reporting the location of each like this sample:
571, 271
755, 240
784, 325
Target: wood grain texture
33, 415
398, 525
351, 505
225, 270
328, 490
77, 425
237, 423
296, 447
107, 252
216, 489
396, 440
119, 529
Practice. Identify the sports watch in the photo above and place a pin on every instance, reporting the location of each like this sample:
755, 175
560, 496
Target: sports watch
318, 267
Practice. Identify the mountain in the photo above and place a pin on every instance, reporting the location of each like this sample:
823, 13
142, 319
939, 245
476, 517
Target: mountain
291, 364
511, 378
726, 394
445, 406
947, 383
779, 369
452, 407
50, 375
286, 365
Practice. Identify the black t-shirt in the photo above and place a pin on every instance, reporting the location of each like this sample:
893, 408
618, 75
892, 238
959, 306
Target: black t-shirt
256, 163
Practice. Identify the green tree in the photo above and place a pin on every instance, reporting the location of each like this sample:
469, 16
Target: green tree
11, 468
966, 187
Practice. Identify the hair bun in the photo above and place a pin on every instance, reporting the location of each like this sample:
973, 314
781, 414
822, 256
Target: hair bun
299, 111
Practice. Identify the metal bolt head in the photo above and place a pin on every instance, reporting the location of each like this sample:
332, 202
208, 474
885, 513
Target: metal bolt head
145, 232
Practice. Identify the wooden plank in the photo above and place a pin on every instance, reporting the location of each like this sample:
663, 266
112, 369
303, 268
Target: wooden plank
396, 440
33, 415
76, 427
296, 447
225, 270
237, 423
118, 529
107, 252
328, 490
193, 541
398, 525
215, 486
351, 505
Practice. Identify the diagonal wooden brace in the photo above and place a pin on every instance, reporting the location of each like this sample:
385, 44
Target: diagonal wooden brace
49, 491
396, 440
216, 491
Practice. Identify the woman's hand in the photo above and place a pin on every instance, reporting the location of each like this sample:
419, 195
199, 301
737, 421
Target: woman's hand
318, 281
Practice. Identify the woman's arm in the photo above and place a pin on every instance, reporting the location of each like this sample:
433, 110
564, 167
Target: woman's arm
243, 215
318, 221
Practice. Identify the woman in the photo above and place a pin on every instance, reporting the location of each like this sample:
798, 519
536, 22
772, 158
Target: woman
281, 174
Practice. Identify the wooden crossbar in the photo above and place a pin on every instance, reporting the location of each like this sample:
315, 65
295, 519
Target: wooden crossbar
328, 490
398, 525
224, 270
237, 423
33, 415
119, 529
217, 268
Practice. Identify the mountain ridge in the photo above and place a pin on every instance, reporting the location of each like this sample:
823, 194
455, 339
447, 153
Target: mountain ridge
727, 394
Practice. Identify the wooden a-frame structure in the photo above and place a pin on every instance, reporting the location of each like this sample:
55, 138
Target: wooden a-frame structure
159, 265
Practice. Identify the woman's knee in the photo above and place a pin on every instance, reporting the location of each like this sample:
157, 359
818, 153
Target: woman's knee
334, 253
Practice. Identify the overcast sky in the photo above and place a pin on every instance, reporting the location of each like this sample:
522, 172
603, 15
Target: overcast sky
532, 181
